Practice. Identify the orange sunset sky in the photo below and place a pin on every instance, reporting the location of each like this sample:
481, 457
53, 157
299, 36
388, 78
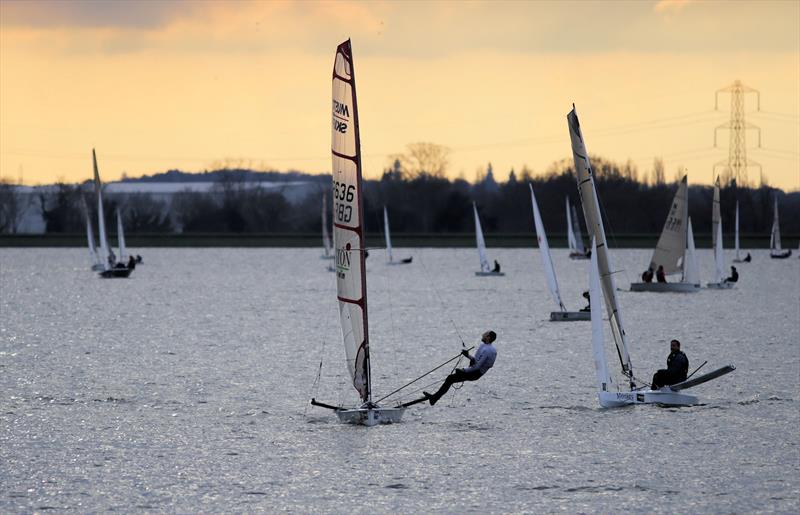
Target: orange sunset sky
156, 85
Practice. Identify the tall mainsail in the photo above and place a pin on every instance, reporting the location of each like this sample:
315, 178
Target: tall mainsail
105, 250
716, 215
775, 236
598, 340
93, 257
386, 233
736, 233
719, 256
671, 246
121, 238
480, 242
348, 216
544, 250
576, 232
326, 236
571, 242
594, 224
691, 272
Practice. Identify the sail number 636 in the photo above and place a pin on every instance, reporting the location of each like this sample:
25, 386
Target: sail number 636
346, 193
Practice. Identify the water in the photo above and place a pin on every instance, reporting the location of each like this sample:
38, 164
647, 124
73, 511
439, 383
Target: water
185, 389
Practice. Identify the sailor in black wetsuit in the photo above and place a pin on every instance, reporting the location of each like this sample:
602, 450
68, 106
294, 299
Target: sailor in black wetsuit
677, 367
734, 276
496, 268
479, 365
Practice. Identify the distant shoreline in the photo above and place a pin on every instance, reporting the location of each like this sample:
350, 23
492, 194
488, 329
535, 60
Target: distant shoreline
446, 240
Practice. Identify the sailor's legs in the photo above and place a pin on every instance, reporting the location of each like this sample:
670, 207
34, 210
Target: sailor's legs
459, 376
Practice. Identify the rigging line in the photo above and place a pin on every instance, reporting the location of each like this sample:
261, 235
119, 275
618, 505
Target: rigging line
315, 384
420, 377
439, 297
389, 297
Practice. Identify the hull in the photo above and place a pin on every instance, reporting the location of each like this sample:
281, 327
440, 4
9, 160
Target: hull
782, 255
570, 316
724, 285
406, 261
370, 416
97, 268
487, 274
578, 255
664, 397
116, 272
666, 287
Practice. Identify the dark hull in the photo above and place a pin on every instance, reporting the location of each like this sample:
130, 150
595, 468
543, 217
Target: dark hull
116, 272
783, 255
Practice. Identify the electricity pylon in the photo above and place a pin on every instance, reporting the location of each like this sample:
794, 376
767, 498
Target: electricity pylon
737, 163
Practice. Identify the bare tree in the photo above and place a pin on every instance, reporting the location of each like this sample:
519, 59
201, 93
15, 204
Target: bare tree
13, 204
424, 159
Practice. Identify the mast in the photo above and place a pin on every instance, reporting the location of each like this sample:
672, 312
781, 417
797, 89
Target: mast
670, 251
348, 225
544, 250
386, 233
480, 241
105, 251
596, 307
594, 224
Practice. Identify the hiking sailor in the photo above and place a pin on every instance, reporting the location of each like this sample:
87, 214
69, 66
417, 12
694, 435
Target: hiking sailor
479, 365
677, 367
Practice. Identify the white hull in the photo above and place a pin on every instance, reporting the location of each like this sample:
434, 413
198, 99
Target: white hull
665, 397
569, 316
370, 416
724, 285
486, 274
666, 287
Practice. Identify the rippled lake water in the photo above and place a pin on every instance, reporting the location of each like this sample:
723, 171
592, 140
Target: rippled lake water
185, 389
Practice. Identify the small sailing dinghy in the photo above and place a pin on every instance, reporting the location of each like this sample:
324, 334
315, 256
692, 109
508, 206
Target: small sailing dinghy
671, 249
388, 236
610, 394
574, 236
775, 250
486, 270
719, 254
552, 283
111, 268
94, 257
348, 243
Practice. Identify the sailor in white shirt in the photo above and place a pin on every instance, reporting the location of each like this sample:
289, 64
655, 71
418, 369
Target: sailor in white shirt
479, 365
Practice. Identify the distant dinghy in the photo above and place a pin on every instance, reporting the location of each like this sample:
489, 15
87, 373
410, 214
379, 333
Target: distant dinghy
94, 257
675, 249
485, 270
111, 268
719, 283
775, 250
574, 236
601, 285
348, 245
552, 283
737, 258
388, 236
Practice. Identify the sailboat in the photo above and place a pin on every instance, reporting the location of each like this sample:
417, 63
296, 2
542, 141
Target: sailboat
601, 270
327, 246
388, 236
574, 236
671, 249
775, 250
719, 255
485, 269
552, 283
110, 266
737, 258
348, 242
94, 257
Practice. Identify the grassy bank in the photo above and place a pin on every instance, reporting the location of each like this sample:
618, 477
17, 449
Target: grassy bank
511, 240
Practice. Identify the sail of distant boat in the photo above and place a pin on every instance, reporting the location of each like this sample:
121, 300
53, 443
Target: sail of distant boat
121, 238
691, 272
775, 235
736, 258
327, 246
106, 255
386, 234
671, 247
480, 241
544, 251
574, 236
94, 257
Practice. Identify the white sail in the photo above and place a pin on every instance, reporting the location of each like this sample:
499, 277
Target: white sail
691, 272
671, 246
571, 243
121, 238
348, 214
736, 233
94, 259
775, 236
544, 250
326, 236
598, 340
106, 256
594, 224
576, 231
386, 233
480, 242
716, 215
719, 257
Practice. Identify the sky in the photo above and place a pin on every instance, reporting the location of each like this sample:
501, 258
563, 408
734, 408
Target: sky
194, 85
